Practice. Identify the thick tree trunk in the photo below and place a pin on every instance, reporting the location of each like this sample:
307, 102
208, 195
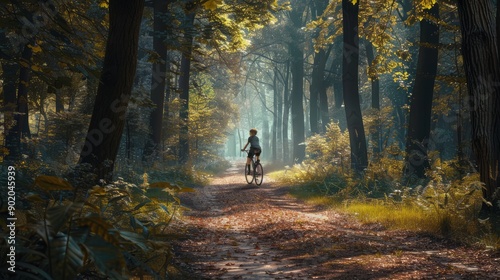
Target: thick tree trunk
317, 89
483, 81
158, 75
185, 72
419, 126
115, 86
350, 65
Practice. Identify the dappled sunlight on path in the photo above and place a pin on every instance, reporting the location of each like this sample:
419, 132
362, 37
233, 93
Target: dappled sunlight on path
241, 231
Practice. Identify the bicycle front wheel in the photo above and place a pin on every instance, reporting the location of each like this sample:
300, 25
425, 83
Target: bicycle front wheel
248, 175
259, 174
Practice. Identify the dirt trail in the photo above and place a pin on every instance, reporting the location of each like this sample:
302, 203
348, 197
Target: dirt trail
241, 231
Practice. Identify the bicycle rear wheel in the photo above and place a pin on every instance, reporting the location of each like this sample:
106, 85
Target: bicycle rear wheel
248, 177
259, 174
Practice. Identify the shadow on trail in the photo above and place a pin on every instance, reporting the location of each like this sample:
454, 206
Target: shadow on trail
243, 231
272, 250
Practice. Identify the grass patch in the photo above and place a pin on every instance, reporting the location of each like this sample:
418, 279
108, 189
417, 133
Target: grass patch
447, 210
392, 217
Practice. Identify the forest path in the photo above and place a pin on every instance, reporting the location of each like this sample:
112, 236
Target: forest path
239, 231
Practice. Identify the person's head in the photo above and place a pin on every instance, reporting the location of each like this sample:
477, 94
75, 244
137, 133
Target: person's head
253, 131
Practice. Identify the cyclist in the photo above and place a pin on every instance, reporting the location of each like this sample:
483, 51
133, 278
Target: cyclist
255, 149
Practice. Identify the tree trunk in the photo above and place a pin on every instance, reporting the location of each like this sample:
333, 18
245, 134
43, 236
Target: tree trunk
482, 72
158, 75
377, 144
279, 119
265, 140
317, 81
21, 129
286, 115
185, 71
275, 117
115, 86
350, 65
317, 89
419, 126
9, 77
297, 94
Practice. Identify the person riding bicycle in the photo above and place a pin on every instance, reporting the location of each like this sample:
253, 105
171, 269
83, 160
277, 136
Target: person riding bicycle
255, 149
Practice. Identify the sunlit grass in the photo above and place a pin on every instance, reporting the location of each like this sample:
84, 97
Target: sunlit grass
433, 218
402, 217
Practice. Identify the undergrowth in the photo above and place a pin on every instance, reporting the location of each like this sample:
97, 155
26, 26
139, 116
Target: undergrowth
446, 204
114, 230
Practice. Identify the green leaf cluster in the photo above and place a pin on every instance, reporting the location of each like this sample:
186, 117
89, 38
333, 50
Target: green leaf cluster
113, 231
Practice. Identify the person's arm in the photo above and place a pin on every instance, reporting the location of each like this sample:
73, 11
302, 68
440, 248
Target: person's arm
245, 146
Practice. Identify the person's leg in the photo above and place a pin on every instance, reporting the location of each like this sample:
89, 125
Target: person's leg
249, 160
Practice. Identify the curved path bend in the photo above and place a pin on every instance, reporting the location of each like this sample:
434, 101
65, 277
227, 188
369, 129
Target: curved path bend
240, 231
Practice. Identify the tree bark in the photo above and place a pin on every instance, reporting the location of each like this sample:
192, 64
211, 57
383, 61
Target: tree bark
483, 81
286, 114
275, 117
377, 145
419, 125
21, 129
317, 89
185, 72
158, 75
350, 65
115, 86
297, 94
296, 52
10, 71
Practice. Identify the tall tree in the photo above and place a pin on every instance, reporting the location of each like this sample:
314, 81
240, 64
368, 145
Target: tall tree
481, 63
115, 86
317, 87
297, 69
20, 129
10, 69
350, 65
158, 77
419, 125
375, 135
185, 72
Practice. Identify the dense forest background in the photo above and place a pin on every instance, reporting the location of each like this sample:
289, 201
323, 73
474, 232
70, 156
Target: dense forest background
392, 95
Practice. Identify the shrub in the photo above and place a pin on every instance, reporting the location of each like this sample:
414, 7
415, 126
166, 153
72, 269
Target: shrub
110, 232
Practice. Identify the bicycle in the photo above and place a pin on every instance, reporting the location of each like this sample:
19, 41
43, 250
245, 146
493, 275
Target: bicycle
256, 174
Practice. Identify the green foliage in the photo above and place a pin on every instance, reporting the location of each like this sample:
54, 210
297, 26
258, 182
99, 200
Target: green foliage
446, 204
111, 231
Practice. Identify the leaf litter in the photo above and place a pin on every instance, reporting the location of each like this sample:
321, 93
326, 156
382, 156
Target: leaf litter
240, 231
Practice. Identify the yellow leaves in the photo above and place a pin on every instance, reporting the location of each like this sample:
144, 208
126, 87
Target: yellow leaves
104, 4
52, 183
36, 68
400, 76
35, 48
427, 4
97, 191
212, 4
